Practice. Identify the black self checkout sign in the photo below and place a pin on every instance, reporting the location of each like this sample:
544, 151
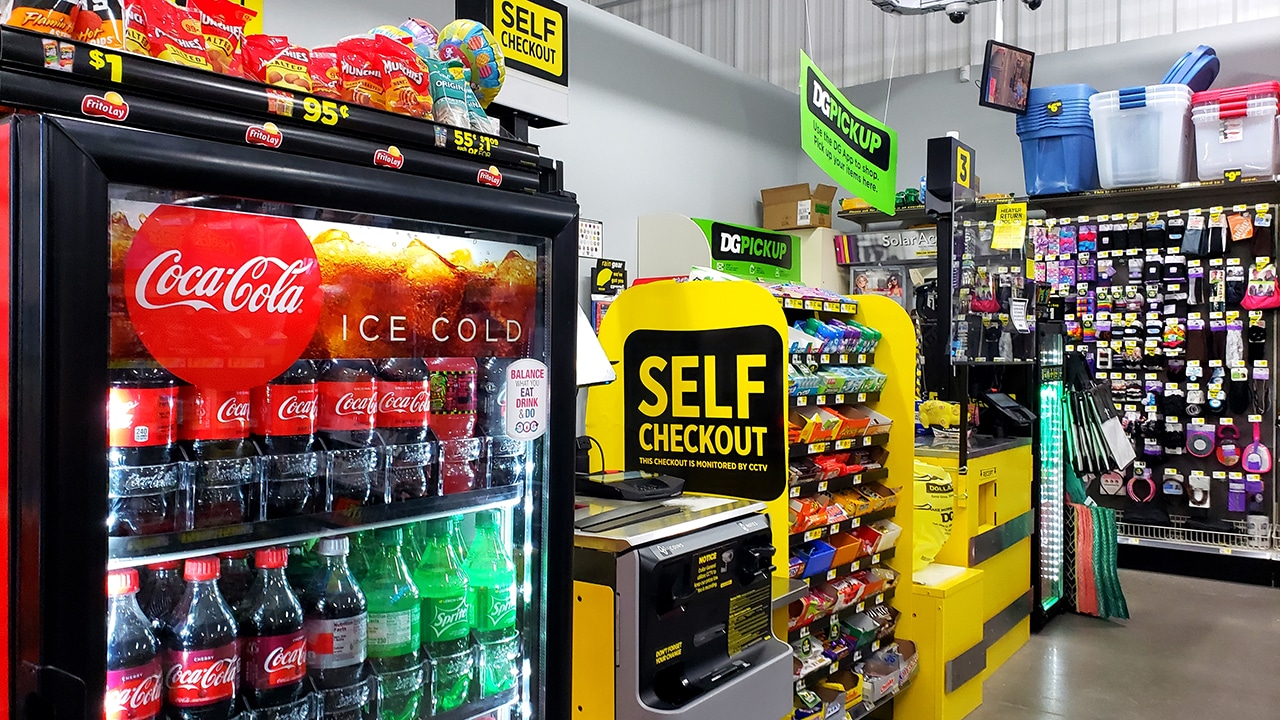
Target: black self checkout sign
707, 406
534, 34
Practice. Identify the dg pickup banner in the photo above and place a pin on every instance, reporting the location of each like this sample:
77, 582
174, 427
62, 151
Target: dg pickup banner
855, 149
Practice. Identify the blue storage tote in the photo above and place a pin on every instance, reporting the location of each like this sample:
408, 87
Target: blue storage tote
1059, 160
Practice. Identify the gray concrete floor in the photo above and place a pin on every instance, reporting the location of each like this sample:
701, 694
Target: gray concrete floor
1193, 649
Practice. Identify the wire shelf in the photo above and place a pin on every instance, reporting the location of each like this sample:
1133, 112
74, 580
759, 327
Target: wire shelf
1177, 535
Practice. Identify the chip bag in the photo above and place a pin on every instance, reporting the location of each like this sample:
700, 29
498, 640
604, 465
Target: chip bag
51, 17
449, 92
222, 23
361, 71
272, 59
101, 24
174, 34
326, 76
136, 34
405, 85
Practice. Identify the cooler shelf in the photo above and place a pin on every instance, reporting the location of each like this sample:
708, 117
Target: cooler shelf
145, 549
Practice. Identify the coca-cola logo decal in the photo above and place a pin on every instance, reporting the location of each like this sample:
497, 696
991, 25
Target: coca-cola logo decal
224, 300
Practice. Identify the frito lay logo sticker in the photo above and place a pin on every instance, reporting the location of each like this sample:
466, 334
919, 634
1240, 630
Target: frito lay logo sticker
223, 300
389, 158
110, 106
491, 177
266, 135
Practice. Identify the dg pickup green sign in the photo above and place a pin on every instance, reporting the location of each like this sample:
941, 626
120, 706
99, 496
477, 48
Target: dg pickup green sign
852, 147
752, 253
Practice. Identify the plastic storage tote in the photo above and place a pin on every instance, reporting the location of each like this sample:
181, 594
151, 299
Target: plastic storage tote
1236, 130
1058, 152
1143, 135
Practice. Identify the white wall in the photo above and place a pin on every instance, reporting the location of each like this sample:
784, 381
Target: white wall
324, 22
657, 127
925, 106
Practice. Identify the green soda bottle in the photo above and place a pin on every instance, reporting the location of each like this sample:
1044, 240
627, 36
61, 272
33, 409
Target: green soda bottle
455, 538
411, 548
361, 549
492, 578
446, 630
395, 635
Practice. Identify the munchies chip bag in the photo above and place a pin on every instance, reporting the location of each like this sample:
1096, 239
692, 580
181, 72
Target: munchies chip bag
51, 17
102, 24
272, 59
174, 34
136, 35
222, 23
326, 76
361, 69
405, 85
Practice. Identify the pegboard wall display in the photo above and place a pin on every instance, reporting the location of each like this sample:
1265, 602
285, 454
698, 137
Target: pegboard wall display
1172, 310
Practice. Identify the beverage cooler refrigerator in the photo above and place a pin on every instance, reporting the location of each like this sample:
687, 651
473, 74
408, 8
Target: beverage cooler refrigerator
279, 440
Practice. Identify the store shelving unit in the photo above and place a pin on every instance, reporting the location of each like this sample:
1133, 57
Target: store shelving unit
895, 401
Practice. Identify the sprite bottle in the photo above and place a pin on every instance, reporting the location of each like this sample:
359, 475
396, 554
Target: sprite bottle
395, 634
492, 602
446, 629
456, 540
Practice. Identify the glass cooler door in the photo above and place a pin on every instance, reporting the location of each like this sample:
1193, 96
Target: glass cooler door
326, 437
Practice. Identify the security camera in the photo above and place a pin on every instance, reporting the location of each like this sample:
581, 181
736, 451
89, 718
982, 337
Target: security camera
957, 11
1033, 4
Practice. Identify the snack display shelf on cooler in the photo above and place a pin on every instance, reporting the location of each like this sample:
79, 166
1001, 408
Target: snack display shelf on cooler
151, 549
834, 618
158, 95
837, 484
834, 528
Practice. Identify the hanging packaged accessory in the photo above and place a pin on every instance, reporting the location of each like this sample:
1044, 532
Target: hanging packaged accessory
1256, 337
1199, 486
1263, 292
1257, 457
1228, 445
1141, 488
1235, 284
1263, 242
1200, 439
984, 293
1241, 226
1194, 238
1237, 498
1173, 483
1110, 483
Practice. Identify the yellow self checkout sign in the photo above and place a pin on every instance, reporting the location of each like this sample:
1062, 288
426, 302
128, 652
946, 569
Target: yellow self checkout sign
534, 36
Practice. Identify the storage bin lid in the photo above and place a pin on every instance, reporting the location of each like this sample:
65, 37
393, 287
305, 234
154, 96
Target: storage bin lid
1196, 69
1066, 93
1234, 101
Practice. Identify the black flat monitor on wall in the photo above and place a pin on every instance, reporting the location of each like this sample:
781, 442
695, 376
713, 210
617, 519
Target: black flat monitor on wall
1006, 77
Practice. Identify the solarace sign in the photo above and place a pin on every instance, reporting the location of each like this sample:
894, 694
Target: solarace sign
855, 149
752, 253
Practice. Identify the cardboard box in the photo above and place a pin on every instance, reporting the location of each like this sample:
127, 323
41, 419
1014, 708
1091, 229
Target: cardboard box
795, 207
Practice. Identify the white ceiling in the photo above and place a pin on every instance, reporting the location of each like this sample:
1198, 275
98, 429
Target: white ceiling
854, 42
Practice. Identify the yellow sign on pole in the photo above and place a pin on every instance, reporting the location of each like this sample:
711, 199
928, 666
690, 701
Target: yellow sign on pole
1010, 227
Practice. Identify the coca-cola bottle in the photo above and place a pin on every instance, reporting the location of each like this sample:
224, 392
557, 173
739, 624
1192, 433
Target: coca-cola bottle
336, 619
142, 423
134, 682
273, 643
201, 662
213, 427
235, 577
282, 421
404, 401
348, 412
161, 593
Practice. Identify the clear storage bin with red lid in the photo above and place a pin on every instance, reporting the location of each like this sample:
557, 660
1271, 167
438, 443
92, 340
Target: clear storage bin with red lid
1236, 130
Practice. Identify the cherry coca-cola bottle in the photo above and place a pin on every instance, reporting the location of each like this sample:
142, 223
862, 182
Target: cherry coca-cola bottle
404, 402
161, 593
141, 422
273, 643
348, 412
282, 421
134, 683
201, 659
213, 427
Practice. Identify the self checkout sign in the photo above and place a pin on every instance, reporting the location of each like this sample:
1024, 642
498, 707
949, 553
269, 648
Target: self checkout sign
707, 406
533, 34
